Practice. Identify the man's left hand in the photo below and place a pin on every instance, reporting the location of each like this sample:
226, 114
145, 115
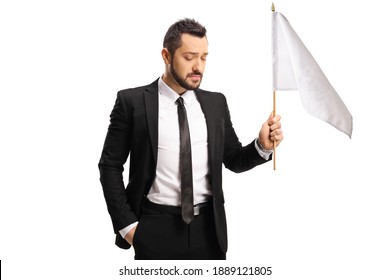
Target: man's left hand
271, 132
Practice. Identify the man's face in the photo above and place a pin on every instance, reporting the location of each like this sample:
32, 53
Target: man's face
189, 61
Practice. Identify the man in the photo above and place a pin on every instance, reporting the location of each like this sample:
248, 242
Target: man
173, 206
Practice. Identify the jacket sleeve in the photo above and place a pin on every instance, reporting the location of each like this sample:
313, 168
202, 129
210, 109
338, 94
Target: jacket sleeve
115, 152
236, 157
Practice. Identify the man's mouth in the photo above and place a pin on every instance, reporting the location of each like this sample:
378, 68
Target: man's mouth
195, 77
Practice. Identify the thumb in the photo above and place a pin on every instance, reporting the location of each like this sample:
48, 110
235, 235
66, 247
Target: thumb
271, 116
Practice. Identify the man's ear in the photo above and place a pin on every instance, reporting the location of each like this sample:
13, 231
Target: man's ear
166, 55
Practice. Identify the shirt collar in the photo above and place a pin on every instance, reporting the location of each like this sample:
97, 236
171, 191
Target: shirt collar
171, 96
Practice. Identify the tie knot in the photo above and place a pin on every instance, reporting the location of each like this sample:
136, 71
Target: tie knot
180, 101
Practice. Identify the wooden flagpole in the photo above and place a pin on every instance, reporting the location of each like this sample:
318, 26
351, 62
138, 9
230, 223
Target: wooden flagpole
274, 114
274, 109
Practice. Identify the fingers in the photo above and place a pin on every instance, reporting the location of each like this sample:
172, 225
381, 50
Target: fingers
273, 120
271, 132
276, 133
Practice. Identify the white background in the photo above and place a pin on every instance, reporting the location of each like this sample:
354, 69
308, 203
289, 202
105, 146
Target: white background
324, 214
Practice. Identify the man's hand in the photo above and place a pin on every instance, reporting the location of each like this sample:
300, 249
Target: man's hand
130, 235
270, 132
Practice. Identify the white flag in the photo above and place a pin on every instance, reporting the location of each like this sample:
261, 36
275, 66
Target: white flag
294, 68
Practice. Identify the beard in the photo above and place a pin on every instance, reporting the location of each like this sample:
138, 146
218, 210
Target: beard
182, 81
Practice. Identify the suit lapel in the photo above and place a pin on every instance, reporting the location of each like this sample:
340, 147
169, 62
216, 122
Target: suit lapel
151, 110
207, 105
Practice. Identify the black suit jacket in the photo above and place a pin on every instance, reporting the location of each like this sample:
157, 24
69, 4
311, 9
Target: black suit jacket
133, 131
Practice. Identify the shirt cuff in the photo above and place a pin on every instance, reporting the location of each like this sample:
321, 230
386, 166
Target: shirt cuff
265, 154
127, 229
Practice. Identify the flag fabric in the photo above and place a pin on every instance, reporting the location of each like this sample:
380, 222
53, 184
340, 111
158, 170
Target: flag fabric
294, 68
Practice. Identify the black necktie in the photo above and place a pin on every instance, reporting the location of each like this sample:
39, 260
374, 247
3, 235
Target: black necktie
187, 197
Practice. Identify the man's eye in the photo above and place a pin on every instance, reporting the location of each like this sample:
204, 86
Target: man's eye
188, 58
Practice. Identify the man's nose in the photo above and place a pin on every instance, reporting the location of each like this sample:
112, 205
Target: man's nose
197, 65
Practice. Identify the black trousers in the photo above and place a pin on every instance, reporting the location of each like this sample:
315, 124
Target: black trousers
162, 235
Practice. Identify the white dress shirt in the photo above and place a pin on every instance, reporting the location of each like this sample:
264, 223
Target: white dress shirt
166, 186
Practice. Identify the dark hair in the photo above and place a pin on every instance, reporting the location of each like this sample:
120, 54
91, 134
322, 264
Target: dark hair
172, 39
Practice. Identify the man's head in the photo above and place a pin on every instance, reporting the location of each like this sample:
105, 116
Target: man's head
184, 54
173, 40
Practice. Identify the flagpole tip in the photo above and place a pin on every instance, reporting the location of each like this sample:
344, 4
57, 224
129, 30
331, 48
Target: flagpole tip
273, 7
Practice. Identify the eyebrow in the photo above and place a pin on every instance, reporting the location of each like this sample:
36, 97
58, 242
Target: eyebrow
195, 53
